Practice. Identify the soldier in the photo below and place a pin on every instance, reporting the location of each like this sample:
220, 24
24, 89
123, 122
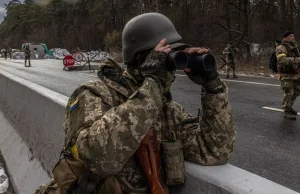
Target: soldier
107, 120
5, 53
231, 52
27, 56
288, 57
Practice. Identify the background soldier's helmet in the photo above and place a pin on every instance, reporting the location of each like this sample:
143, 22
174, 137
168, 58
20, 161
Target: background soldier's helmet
144, 32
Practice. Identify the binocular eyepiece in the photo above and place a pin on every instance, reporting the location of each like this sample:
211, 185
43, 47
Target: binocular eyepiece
198, 63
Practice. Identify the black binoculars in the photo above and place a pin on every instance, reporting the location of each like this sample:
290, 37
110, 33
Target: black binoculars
198, 63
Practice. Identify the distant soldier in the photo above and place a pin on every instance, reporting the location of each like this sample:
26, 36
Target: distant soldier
230, 52
288, 57
27, 56
5, 53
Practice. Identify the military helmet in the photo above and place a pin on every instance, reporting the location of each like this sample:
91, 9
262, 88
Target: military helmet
144, 32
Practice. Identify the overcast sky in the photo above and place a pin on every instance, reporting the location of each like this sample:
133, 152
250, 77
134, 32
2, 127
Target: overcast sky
2, 9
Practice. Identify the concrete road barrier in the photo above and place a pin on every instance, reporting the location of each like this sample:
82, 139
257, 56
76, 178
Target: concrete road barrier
31, 138
25, 170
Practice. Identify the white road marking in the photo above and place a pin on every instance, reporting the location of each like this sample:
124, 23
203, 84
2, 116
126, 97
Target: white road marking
275, 109
256, 83
245, 75
229, 80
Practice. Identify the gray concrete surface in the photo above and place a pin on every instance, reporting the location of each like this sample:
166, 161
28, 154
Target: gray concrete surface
37, 114
226, 179
41, 105
26, 171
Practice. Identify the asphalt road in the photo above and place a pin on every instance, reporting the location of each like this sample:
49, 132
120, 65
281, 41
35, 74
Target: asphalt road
267, 144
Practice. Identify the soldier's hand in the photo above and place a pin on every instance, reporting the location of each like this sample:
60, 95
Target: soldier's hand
196, 77
155, 63
163, 46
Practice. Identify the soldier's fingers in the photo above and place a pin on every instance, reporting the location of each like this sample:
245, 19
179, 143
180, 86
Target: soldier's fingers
167, 50
161, 44
192, 50
196, 50
164, 48
202, 51
187, 49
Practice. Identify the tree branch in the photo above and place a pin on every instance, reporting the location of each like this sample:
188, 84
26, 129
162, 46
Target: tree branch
255, 9
230, 3
227, 29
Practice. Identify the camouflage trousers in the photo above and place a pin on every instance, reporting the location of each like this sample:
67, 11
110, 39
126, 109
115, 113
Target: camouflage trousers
291, 89
231, 65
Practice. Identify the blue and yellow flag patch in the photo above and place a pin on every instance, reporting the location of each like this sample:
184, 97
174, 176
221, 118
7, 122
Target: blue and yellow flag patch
74, 104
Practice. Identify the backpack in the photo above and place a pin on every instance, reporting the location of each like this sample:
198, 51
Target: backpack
273, 59
273, 62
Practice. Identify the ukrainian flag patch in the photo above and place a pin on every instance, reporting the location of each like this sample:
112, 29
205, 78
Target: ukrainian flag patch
74, 104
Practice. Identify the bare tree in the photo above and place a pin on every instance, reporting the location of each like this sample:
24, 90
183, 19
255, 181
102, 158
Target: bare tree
246, 14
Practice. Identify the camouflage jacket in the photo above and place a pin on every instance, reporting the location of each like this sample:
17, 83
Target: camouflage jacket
106, 121
288, 57
27, 53
231, 53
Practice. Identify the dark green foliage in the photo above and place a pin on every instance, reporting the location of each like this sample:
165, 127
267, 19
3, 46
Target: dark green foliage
94, 24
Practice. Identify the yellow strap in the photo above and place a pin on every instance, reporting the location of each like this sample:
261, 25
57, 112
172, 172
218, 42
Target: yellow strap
75, 152
280, 56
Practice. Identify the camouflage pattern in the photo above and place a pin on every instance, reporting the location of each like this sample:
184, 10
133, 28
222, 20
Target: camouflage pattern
291, 91
173, 159
112, 118
154, 67
230, 52
288, 57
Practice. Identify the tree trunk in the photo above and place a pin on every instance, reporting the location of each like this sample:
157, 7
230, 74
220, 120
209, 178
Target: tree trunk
283, 14
247, 28
228, 20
